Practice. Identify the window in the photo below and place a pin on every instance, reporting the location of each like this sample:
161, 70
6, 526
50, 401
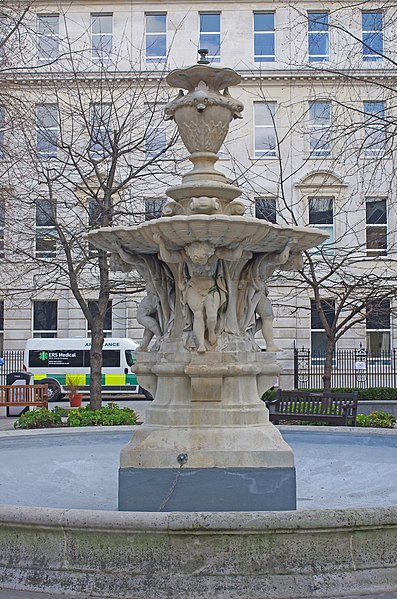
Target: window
264, 45
153, 208
156, 37
375, 128
2, 224
45, 318
47, 37
265, 208
210, 35
101, 131
378, 326
107, 324
319, 128
46, 243
156, 133
321, 216
318, 334
2, 127
101, 36
372, 30
47, 130
318, 36
265, 133
376, 229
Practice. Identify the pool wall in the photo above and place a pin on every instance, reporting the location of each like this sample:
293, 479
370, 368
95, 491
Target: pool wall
253, 555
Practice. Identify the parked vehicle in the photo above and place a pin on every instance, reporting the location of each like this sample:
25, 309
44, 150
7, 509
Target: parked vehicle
53, 360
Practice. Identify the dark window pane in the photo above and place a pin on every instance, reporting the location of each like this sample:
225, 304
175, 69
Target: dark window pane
1, 315
321, 211
153, 208
95, 212
376, 212
130, 357
377, 240
2, 212
45, 216
318, 343
265, 208
328, 307
45, 315
93, 307
378, 314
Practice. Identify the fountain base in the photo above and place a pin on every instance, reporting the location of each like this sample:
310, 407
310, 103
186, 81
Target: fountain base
207, 489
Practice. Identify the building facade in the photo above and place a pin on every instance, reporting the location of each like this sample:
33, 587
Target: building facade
315, 147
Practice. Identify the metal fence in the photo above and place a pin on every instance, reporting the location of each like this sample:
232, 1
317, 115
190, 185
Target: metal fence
13, 362
351, 368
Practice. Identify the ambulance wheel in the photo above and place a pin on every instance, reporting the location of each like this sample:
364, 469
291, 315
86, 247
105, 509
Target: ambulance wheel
54, 389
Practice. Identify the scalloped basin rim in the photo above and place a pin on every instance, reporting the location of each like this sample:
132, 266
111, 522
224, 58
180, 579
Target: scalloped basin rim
216, 77
222, 230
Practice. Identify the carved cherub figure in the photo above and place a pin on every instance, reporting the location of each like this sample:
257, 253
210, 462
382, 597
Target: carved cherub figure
202, 285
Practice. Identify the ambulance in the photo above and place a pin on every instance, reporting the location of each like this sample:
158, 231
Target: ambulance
51, 360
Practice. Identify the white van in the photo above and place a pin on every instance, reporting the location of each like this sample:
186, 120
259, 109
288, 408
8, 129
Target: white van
51, 360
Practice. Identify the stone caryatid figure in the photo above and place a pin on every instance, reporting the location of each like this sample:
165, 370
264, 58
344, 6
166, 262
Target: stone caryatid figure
202, 284
155, 311
254, 308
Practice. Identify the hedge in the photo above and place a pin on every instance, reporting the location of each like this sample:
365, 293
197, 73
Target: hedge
369, 394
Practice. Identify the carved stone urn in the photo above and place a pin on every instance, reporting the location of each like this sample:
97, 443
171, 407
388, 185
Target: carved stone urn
207, 443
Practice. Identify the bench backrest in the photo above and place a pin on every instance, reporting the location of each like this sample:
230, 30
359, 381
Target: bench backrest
24, 393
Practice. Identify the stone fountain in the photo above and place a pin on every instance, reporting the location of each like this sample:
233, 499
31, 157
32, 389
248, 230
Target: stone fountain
207, 443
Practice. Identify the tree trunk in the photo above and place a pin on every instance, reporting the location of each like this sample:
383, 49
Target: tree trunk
328, 364
97, 339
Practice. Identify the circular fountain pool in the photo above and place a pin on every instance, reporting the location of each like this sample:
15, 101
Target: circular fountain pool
77, 542
335, 469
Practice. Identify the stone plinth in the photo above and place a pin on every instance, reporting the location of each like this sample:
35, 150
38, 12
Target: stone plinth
207, 442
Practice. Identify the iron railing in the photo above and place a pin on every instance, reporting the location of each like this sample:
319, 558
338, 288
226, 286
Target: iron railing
351, 368
13, 362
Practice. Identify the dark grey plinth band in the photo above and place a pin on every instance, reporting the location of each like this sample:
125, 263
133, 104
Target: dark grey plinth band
206, 489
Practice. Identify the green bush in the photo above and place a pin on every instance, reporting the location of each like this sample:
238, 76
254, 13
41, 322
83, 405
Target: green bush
109, 415
41, 418
376, 420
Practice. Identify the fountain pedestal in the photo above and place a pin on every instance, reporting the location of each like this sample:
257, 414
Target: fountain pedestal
207, 444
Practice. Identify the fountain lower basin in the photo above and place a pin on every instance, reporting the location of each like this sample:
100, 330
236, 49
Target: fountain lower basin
347, 549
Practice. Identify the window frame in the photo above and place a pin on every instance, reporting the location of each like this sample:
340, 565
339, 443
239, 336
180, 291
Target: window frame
47, 231
47, 35
259, 58
368, 53
49, 332
260, 153
383, 226
314, 129
316, 32
148, 35
382, 330
101, 133
47, 133
210, 57
372, 128
97, 51
322, 250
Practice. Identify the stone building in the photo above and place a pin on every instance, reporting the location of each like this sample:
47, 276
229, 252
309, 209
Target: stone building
315, 147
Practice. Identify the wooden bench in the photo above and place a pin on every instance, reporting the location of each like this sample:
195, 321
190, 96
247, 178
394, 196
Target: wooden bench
14, 396
334, 408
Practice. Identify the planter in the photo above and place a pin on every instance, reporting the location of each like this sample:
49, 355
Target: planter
75, 400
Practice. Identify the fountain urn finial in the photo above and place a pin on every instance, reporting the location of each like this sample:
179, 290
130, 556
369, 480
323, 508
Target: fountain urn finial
203, 114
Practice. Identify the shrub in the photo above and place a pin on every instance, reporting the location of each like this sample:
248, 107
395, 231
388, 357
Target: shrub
369, 394
109, 415
376, 420
41, 418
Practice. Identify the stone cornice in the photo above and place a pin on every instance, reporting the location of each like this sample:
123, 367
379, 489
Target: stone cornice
27, 77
